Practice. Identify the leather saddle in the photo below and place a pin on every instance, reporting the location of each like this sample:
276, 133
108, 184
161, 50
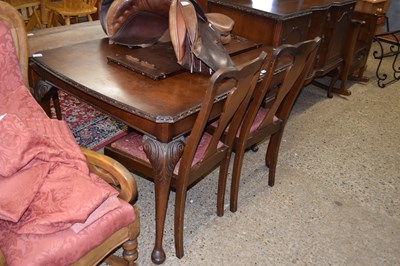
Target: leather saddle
134, 22
197, 38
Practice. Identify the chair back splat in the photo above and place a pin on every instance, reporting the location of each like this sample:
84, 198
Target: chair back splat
67, 9
269, 109
30, 11
203, 152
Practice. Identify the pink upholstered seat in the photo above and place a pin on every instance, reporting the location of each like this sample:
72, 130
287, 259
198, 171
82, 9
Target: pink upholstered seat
132, 144
64, 247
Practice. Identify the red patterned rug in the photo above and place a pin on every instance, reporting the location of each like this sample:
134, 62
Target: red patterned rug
91, 128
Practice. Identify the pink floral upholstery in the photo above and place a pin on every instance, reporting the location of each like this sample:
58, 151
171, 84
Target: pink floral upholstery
132, 144
20, 101
10, 72
61, 248
262, 112
49, 203
52, 210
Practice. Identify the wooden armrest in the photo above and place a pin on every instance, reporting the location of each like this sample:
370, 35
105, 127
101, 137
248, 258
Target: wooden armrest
113, 173
2, 259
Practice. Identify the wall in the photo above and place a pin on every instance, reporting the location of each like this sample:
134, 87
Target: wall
393, 14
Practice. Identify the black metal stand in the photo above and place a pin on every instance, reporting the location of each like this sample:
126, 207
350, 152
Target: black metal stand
393, 39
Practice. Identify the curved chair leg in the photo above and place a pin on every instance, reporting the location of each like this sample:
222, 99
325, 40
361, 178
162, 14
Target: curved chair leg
180, 201
237, 169
223, 176
271, 157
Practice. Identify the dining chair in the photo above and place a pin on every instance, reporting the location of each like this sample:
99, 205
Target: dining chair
203, 152
68, 9
30, 11
284, 73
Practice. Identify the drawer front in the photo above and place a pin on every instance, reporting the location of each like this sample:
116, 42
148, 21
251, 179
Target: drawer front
295, 30
335, 35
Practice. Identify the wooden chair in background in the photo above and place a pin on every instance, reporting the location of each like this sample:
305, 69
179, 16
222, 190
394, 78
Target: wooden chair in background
202, 152
67, 9
30, 11
285, 71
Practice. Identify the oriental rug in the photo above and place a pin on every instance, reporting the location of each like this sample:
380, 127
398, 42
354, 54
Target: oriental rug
91, 128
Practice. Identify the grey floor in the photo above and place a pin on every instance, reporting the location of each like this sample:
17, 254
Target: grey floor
336, 200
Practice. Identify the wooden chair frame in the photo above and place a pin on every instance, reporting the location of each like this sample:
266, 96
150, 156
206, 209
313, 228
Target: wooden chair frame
285, 72
241, 81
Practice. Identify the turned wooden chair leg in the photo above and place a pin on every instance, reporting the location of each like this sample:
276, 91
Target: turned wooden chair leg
130, 252
50, 19
67, 20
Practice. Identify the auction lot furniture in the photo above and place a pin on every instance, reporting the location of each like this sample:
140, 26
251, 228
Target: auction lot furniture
279, 22
68, 9
202, 151
52, 210
55, 37
388, 47
269, 110
374, 7
163, 110
30, 11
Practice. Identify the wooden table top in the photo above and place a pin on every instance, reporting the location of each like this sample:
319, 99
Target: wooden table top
55, 37
83, 70
281, 9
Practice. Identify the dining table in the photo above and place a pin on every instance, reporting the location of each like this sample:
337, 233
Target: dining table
163, 109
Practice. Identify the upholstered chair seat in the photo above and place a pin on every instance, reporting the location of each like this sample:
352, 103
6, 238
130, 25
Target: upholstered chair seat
64, 247
132, 144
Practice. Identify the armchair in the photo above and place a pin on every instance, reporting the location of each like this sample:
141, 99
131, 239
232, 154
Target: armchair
54, 207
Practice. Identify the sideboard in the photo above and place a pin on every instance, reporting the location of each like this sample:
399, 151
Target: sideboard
277, 22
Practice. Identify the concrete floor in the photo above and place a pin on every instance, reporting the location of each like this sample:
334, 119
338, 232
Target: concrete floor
336, 200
